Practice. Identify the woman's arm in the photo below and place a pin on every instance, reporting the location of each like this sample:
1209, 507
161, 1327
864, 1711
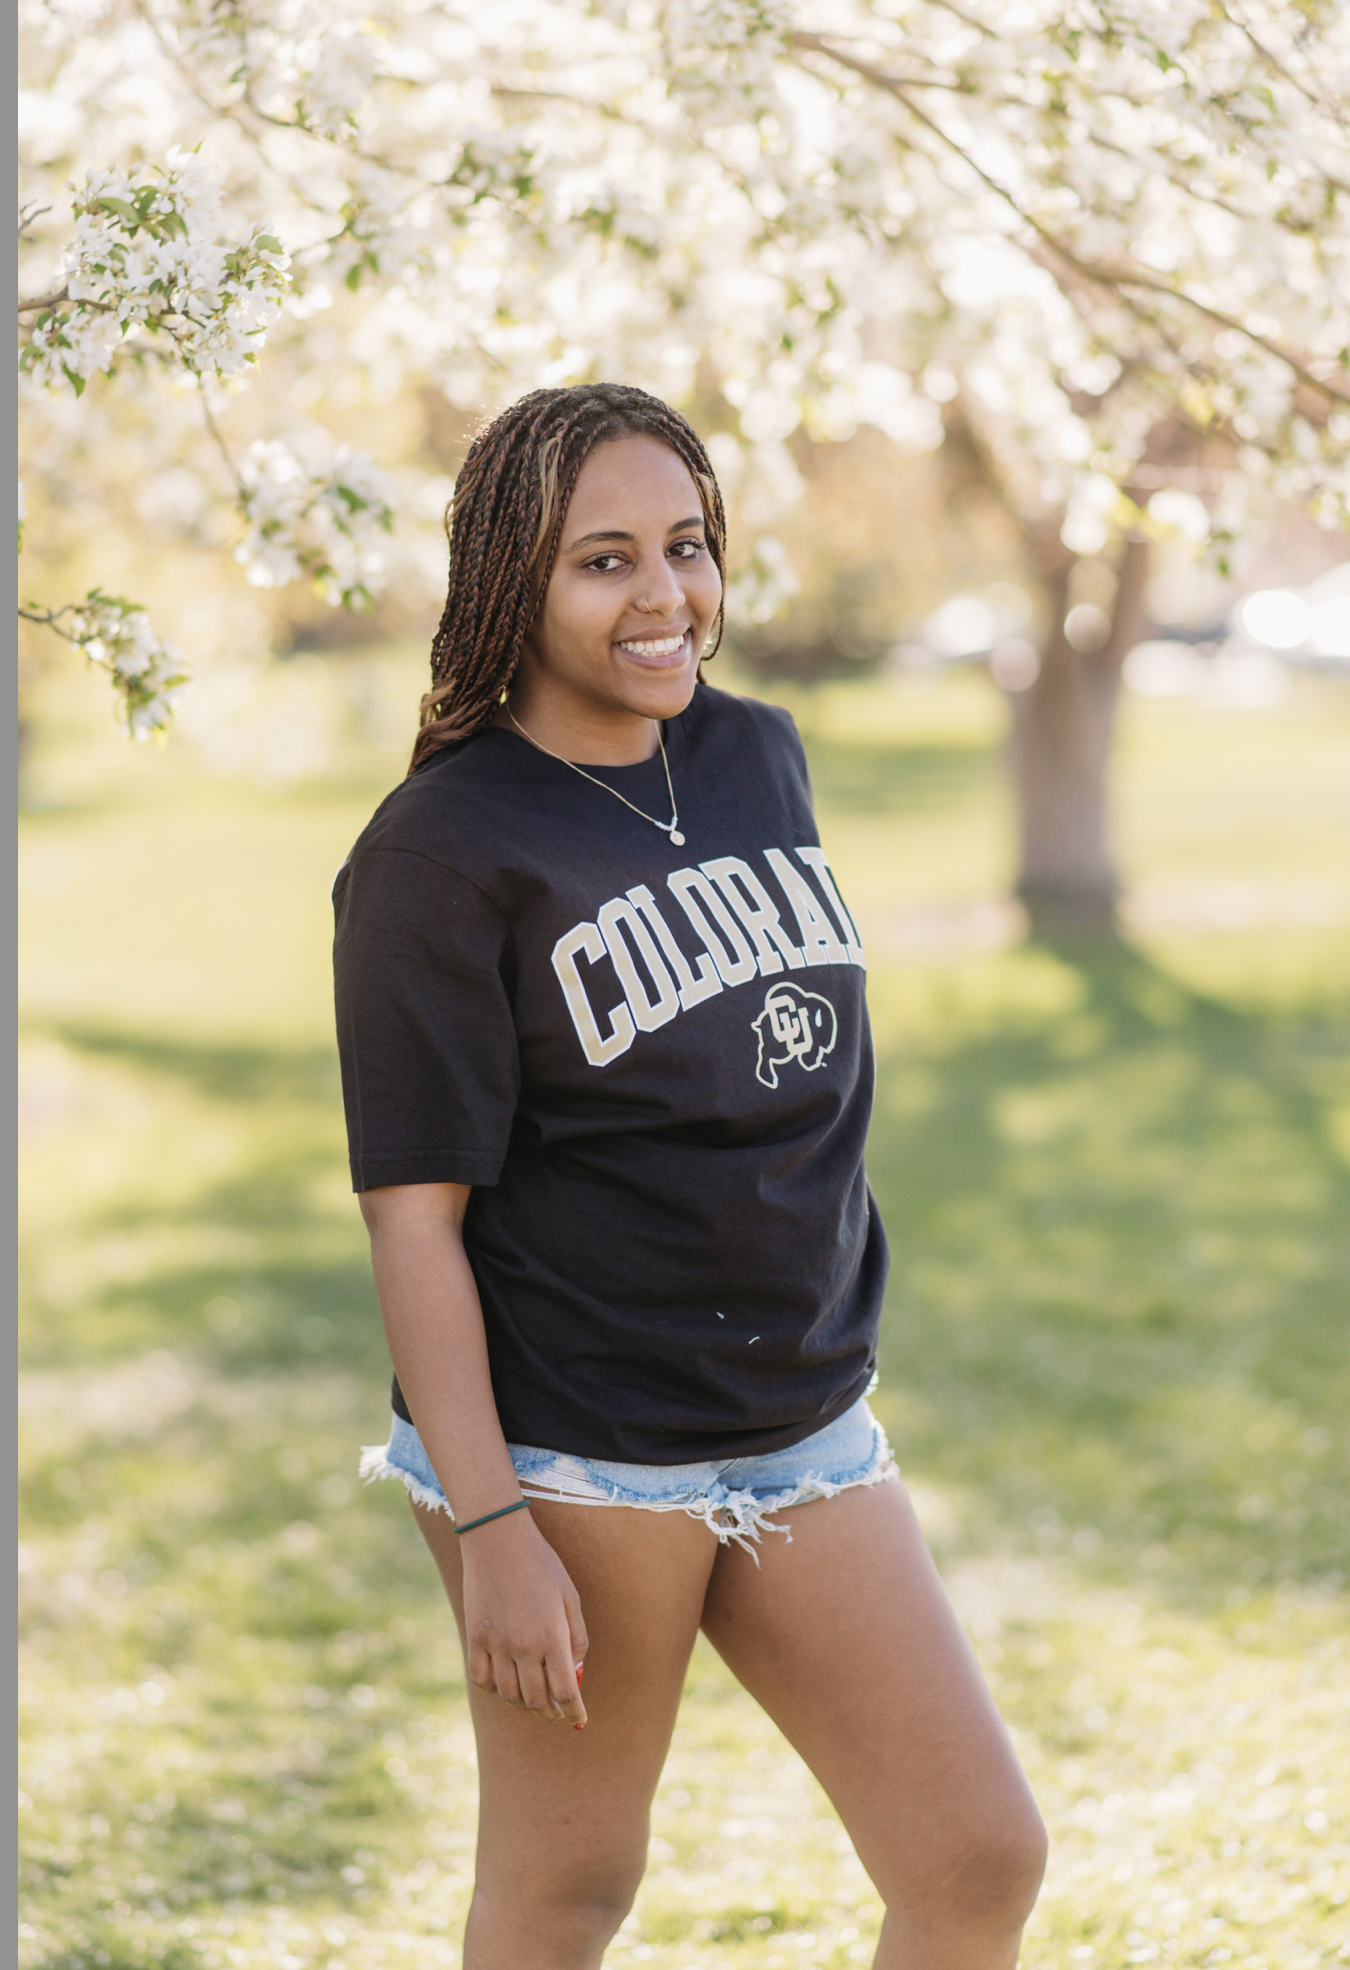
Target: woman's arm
523, 1627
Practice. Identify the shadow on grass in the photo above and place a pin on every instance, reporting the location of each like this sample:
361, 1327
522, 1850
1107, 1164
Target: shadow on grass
230, 1072
1116, 1320
278, 1238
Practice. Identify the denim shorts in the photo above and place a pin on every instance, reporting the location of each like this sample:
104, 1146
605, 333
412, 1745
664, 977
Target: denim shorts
733, 1497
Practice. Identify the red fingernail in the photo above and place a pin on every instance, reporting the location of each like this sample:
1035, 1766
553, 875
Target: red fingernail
581, 1670
578, 1727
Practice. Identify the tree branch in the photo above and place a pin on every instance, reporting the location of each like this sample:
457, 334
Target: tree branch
49, 301
1131, 277
1274, 63
229, 111
980, 27
962, 435
1116, 280
213, 428
51, 619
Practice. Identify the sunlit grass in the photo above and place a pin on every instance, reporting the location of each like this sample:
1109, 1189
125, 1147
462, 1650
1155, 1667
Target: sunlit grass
1118, 1188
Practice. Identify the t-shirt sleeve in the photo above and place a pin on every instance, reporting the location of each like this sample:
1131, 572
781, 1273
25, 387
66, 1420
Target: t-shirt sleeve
430, 1066
789, 736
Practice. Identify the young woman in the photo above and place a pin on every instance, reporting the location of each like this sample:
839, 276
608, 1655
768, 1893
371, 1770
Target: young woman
607, 1075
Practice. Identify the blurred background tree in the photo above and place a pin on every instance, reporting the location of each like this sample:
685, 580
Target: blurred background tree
1071, 275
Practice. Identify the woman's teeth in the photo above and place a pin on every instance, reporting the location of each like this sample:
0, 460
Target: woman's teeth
656, 646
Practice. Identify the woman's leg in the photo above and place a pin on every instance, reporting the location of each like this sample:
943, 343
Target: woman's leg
562, 1825
848, 1640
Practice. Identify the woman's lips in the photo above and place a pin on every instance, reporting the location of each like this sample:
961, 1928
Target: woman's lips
656, 652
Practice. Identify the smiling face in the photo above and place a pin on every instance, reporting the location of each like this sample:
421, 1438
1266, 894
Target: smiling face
631, 601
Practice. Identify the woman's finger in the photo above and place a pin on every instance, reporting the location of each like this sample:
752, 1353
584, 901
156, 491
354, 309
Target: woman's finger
534, 1688
478, 1669
576, 1626
506, 1681
564, 1670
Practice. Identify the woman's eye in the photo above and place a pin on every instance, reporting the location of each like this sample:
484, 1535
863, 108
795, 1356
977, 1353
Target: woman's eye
686, 549
605, 564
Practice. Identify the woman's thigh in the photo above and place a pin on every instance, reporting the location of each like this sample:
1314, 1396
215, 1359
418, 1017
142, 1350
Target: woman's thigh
847, 1638
564, 1812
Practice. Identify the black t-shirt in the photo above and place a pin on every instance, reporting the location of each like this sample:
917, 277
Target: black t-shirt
653, 1064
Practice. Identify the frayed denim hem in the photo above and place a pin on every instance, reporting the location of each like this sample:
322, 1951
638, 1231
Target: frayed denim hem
375, 1464
735, 1518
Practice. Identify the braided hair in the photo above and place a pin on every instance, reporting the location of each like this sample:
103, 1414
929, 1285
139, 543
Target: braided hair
504, 523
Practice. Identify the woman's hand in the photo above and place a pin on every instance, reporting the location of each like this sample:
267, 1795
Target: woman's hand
525, 1638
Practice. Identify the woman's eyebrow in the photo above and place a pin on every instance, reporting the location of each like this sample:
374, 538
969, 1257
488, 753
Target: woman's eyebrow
618, 533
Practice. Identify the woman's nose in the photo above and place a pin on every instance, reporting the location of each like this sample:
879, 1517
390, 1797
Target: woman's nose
663, 593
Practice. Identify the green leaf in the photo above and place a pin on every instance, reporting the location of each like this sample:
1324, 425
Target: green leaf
265, 243
119, 208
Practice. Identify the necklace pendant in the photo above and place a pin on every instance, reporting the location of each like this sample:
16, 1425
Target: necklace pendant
677, 837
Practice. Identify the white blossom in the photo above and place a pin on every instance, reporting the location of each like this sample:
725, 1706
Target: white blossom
321, 520
313, 73
764, 585
1068, 226
149, 270
332, 72
146, 672
378, 240
1181, 514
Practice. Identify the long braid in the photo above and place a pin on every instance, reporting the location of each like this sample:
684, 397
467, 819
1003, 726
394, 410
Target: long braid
504, 524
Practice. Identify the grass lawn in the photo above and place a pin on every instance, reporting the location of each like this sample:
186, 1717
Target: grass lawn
1117, 1182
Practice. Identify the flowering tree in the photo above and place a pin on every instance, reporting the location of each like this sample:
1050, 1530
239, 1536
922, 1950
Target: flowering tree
151, 278
1093, 245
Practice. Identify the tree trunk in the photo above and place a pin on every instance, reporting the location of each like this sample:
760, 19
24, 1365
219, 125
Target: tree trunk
1060, 749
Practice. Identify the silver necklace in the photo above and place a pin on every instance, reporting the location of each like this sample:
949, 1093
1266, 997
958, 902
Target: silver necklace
670, 827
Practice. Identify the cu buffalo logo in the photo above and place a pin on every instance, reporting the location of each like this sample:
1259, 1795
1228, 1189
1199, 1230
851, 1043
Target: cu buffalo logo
794, 1025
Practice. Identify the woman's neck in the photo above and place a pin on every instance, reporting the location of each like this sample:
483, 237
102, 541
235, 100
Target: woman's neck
587, 734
